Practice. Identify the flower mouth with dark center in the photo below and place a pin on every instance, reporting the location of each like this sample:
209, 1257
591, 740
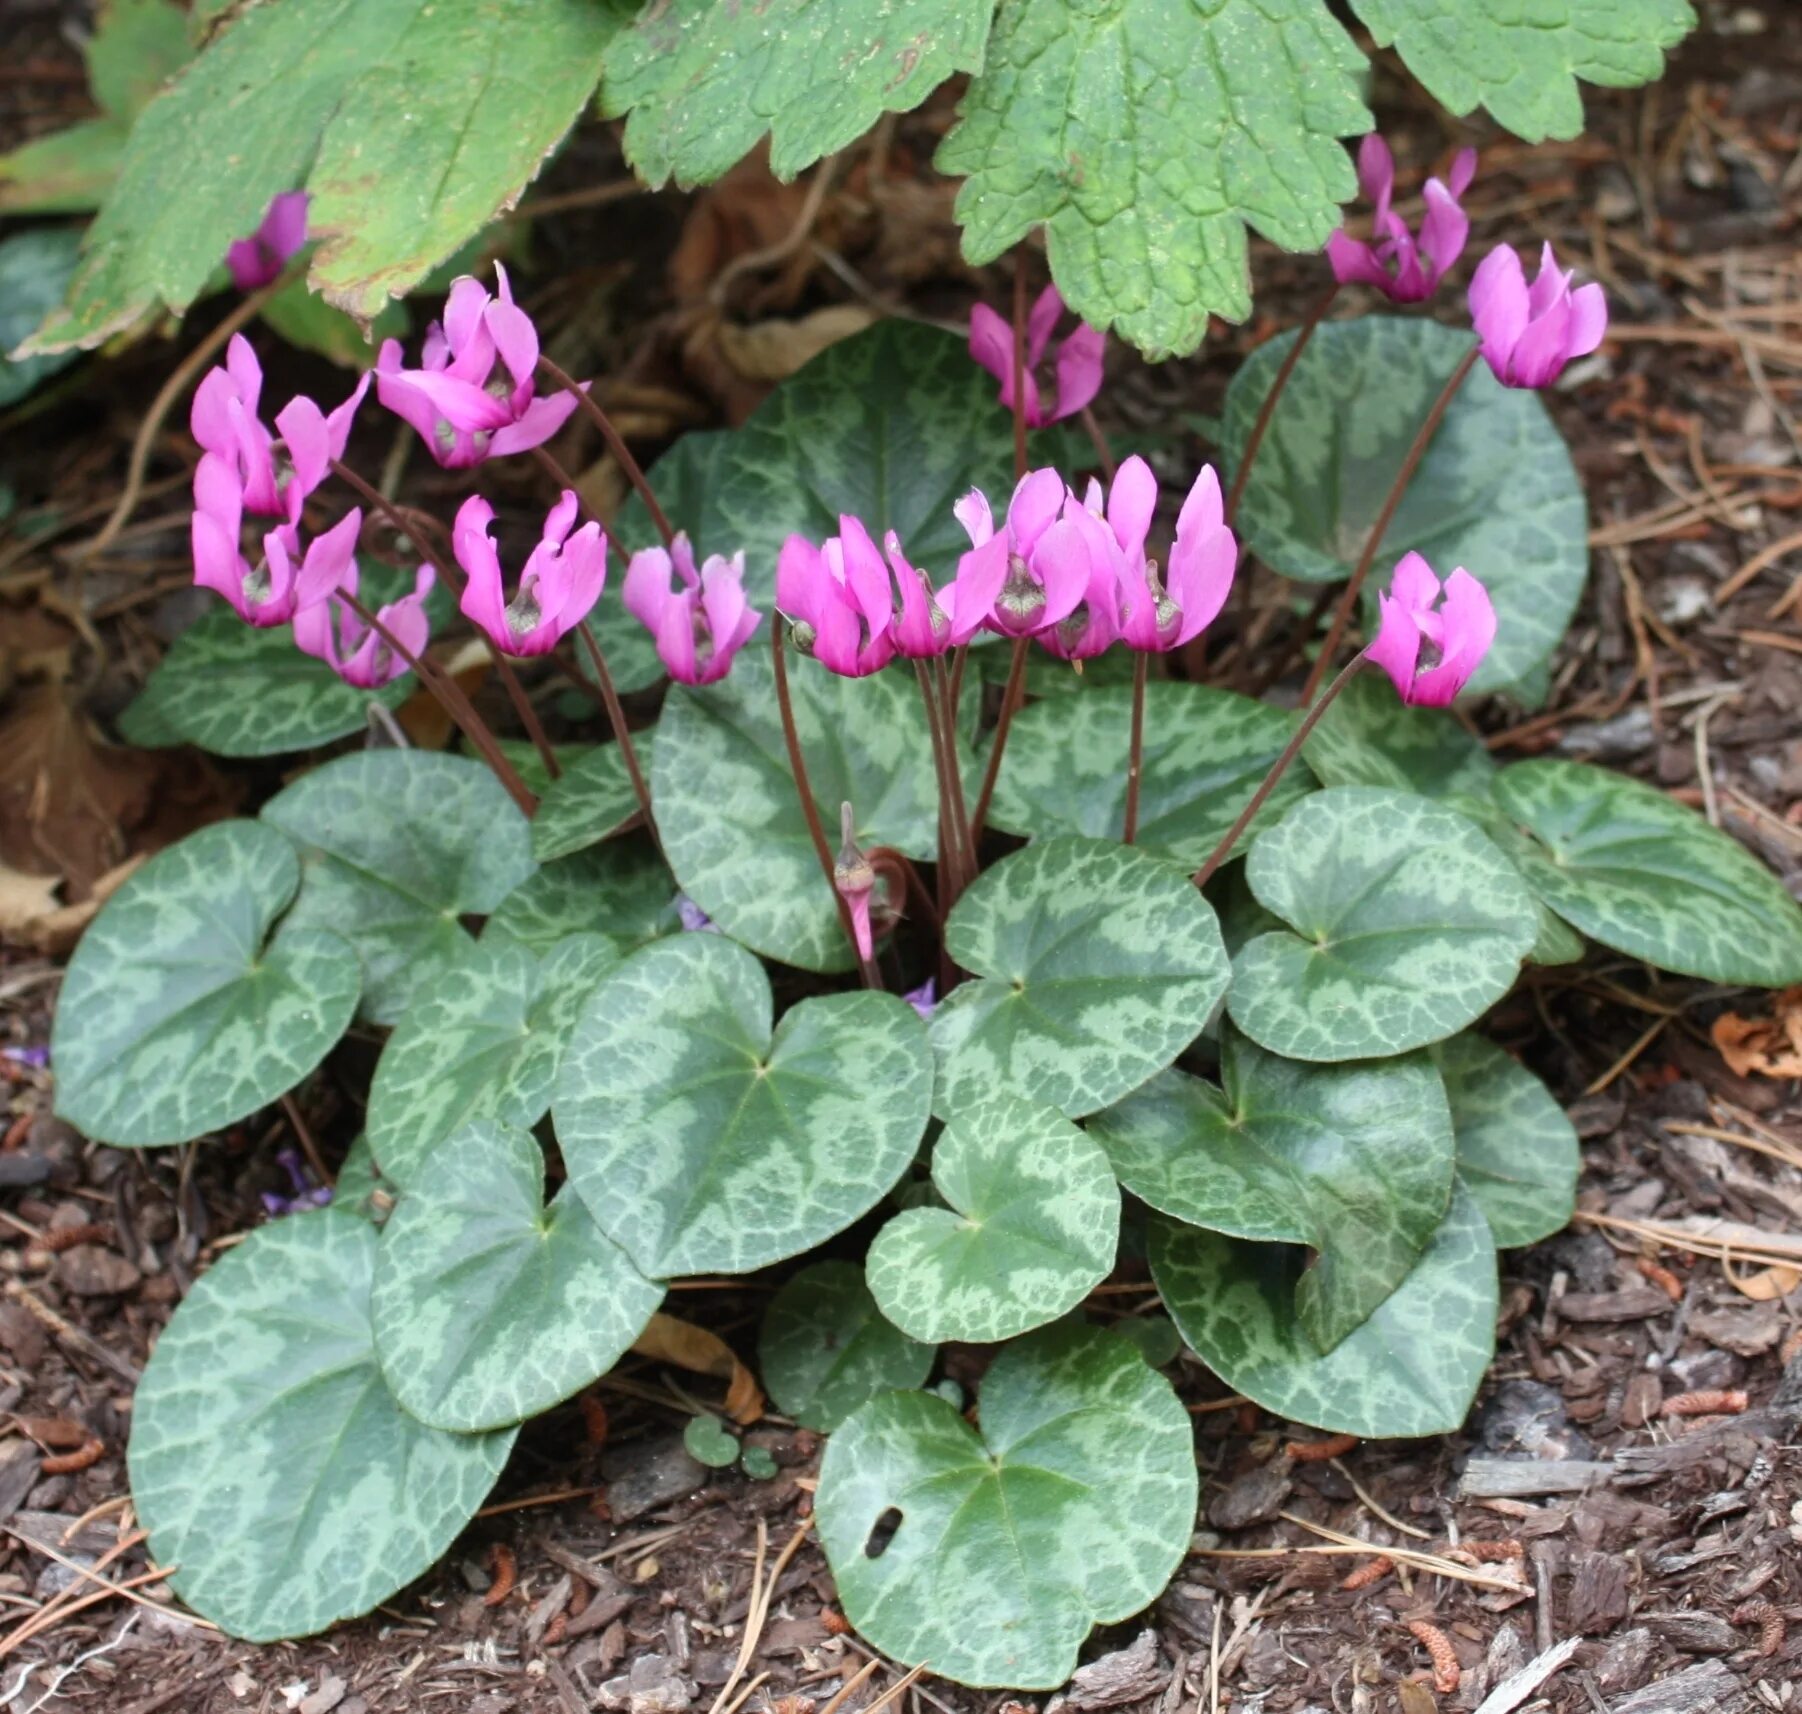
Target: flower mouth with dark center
1020, 599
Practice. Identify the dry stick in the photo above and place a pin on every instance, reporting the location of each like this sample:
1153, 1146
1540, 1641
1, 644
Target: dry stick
1267, 410
1291, 750
399, 522
615, 445
797, 765
1104, 453
1135, 754
1348, 601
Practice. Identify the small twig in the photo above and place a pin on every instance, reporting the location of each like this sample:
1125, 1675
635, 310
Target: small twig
1019, 366
73, 1337
303, 1131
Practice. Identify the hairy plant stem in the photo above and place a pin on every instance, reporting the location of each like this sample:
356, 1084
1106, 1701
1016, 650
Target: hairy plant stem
615, 444
954, 854
1267, 410
440, 563
948, 852
1416, 452
960, 810
451, 699
1135, 751
1016, 682
1291, 750
797, 765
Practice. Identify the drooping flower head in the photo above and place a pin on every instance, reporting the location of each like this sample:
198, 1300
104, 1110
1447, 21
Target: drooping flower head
1095, 530
701, 621
923, 625
561, 582
837, 598
1430, 638
464, 409
855, 880
1078, 357
1167, 611
357, 652
285, 580
1528, 332
1030, 574
259, 259
1405, 269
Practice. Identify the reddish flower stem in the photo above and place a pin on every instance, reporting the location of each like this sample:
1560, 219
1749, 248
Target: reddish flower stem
949, 854
1016, 682
1135, 753
615, 444
1291, 750
960, 809
1348, 601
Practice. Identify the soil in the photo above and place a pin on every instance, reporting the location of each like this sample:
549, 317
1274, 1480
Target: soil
613, 1572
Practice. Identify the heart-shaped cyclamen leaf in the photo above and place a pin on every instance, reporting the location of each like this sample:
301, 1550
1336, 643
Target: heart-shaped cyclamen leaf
621, 889
1206, 751
1650, 878
1367, 737
1071, 1509
268, 1459
1496, 492
488, 1306
704, 1143
1517, 1152
395, 846
730, 813
1411, 1369
185, 1006
1030, 1232
1354, 1161
589, 801
482, 1041
825, 1347
1408, 923
1098, 965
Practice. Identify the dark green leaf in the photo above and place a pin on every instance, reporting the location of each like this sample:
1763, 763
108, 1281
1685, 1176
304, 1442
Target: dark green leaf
621, 889
590, 802
707, 1441
35, 270
1369, 737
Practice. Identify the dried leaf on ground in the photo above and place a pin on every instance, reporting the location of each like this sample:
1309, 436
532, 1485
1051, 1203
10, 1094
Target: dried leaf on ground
670, 1340
1763, 1047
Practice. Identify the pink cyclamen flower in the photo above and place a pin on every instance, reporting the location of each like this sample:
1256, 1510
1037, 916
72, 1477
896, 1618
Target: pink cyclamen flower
700, 622
1078, 357
259, 259
284, 581
837, 598
1033, 572
1403, 269
465, 411
357, 652
1529, 333
1166, 611
224, 421
561, 582
923, 625
855, 880
1431, 639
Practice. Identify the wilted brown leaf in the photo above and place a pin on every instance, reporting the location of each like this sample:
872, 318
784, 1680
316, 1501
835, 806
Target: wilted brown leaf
1763, 1047
670, 1340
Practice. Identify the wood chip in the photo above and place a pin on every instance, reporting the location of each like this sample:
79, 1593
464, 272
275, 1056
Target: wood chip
1515, 1478
1517, 1687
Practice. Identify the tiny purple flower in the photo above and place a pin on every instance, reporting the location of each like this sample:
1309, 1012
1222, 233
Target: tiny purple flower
924, 999
306, 1194
693, 919
1078, 357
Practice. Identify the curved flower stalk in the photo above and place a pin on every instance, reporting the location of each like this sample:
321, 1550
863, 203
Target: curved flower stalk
702, 620
355, 649
463, 409
561, 582
1528, 332
1405, 269
259, 259
837, 599
1078, 363
1432, 637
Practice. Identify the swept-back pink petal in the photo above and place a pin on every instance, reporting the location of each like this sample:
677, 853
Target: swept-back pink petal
866, 576
1542, 349
535, 425
483, 601
1355, 263
1396, 646
1468, 629
1445, 230
970, 601
1414, 583
329, 559
1079, 371
972, 511
1589, 319
1498, 306
1376, 172
1040, 320
1037, 499
992, 346
1202, 564
1065, 565
1132, 502
1464, 169
646, 590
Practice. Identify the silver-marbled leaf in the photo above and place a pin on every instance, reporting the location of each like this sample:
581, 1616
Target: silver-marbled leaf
621, 889
1407, 925
481, 1041
488, 1306
1354, 1161
1070, 1509
268, 1459
591, 800
702, 1140
1096, 965
1410, 1370
1369, 737
1030, 1230
191, 1000
395, 846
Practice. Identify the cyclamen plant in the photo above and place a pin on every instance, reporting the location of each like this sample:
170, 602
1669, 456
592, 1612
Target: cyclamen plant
1137, 936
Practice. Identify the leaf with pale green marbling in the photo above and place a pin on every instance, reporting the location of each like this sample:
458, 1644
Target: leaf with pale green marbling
395, 846
1408, 924
590, 801
1496, 492
825, 1348
703, 1141
1517, 1152
481, 1041
1154, 1337
1097, 964
1412, 1369
621, 889
488, 1306
1029, 1232
191, 1000
1647, 877
1354, 1161
268, 1459
1070, 1508
729, 810
1557, 942
1522, 62
704, 83
359, 1178
1206, 751
1369, 737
